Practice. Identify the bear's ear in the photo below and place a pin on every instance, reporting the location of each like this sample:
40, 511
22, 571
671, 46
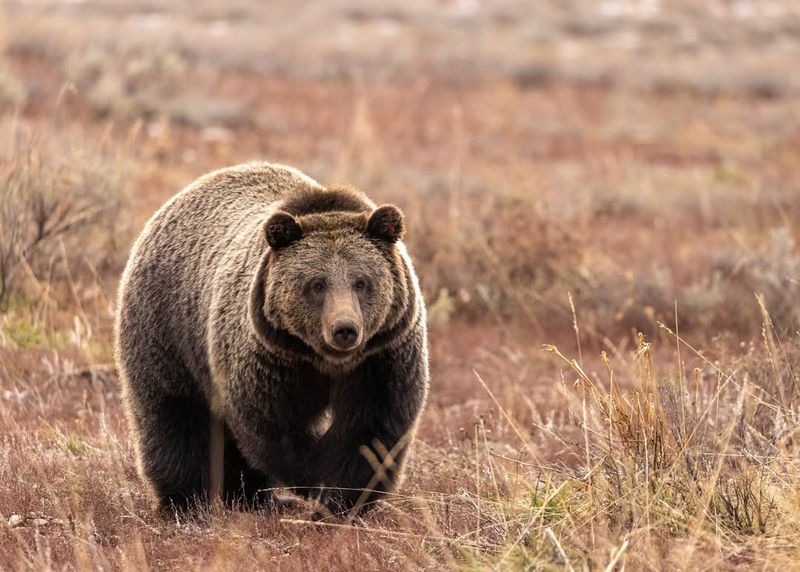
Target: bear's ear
386, 223
282, 229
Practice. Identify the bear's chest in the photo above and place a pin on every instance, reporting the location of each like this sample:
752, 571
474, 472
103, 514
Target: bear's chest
310, 394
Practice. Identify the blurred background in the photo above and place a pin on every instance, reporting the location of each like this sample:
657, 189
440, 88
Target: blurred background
631, 153
572, 172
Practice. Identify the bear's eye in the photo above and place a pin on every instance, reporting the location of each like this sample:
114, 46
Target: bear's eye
318, 286
361, 284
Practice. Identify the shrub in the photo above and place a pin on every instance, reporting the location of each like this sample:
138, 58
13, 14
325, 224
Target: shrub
44, 199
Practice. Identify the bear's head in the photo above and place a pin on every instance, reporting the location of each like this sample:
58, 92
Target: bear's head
334, 280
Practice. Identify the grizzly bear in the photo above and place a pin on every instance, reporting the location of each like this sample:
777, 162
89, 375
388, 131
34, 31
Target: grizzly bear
271, 332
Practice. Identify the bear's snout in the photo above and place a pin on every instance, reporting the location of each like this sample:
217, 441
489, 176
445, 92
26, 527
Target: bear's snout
342, 325
345, 334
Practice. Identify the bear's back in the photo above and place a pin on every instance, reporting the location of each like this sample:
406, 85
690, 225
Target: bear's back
168, 284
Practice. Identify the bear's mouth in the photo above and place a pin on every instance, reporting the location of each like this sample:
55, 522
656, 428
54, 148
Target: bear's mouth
337, 354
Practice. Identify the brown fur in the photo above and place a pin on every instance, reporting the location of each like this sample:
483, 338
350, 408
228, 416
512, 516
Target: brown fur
227, 311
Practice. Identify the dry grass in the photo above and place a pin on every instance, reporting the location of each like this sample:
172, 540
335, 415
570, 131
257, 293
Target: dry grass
552, 197
639, 463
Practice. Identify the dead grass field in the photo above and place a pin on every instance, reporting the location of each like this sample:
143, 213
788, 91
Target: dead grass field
602, 199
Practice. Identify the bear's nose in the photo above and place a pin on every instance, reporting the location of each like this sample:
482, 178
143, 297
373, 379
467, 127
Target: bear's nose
345, 334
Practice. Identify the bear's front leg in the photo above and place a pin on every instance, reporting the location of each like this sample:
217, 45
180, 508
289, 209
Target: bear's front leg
173, 446
268, 412
361, 456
